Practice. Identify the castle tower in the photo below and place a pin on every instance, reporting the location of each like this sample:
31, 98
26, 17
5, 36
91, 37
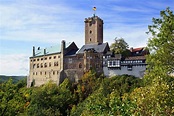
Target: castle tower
93, 30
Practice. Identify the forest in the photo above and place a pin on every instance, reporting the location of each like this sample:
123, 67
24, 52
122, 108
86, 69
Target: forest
96, 95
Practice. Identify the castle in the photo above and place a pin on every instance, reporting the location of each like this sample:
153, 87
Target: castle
68, 61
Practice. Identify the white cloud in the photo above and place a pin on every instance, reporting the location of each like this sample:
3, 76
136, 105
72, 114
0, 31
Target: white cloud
14, 64
34, 22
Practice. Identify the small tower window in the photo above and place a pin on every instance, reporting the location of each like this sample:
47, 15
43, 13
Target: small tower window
90, 31
90, 39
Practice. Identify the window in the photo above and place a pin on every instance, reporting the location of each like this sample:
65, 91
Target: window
90, 31
34, 60
34, 65
70, 60
41, 58
56, 64
45, 65
45, 58
53, 72
104, 63
50, 64
38, 59
41, 65
58, 56
31, 60
37, 65
33, 73
54, 57
90, 39
129, 67
50, 57
114, 63
40, 73
80, 65
36, 73
45, 72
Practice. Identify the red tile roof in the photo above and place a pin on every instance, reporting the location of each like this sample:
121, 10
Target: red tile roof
136, 49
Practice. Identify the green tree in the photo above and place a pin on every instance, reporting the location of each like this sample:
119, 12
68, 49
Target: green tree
161, 44
119, 46
107, 99
12, 98
156, 98
51, 100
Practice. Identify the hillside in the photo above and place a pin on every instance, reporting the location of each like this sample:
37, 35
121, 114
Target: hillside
15, 79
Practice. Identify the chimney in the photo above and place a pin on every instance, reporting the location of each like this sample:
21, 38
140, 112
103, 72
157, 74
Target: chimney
34, 51
44, 51
63, 46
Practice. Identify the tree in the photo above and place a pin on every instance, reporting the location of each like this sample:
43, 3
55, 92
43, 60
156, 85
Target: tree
161, 44
51, 100
119, 46
156, 97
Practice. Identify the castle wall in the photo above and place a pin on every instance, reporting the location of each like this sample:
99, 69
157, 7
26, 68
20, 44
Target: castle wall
137, 71
73, 74
44, 68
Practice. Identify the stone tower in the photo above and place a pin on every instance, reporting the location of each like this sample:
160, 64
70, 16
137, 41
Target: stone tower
93, 30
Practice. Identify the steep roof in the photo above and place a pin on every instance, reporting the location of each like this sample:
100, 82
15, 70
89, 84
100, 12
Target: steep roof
100, 48
71, 49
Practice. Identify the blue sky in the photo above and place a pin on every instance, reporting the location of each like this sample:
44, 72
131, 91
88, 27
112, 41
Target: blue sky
27, 23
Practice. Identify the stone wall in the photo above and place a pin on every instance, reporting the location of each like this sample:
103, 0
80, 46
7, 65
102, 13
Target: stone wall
73, 74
